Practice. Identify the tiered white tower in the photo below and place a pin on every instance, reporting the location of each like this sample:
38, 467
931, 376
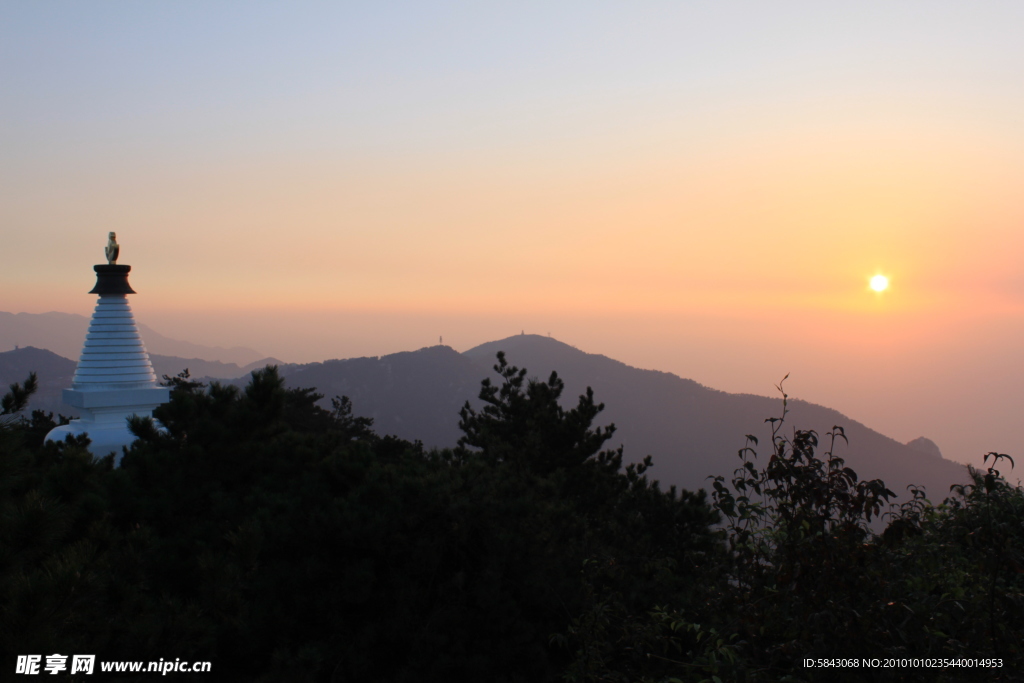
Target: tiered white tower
115, 377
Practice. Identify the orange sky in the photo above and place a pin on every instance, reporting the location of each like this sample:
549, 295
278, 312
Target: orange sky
699, 190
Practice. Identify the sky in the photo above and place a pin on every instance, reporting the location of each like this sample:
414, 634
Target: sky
703, 188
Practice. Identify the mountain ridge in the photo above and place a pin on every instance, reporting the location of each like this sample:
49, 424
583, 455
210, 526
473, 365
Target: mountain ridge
691, 430
63, 333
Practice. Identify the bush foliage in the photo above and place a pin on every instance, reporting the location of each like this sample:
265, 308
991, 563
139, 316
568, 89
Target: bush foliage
283, 541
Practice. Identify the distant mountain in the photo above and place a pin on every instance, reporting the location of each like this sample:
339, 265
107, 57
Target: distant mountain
926, 446
53, 372
414, 394
693, 431
63, 333
209, 369
690, 430
157, 343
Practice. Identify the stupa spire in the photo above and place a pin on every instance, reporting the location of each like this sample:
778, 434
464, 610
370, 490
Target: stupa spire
114, 378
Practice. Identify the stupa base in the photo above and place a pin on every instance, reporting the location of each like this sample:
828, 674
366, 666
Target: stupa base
104, 437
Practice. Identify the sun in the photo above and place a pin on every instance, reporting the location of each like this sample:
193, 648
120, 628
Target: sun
879, 283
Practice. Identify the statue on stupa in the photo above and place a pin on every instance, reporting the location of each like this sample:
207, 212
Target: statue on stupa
113, 248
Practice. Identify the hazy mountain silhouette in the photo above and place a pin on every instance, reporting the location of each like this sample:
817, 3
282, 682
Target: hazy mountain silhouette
692, 431
414, 394
926, 446
63, 334
56, 372
208, 369
53, 372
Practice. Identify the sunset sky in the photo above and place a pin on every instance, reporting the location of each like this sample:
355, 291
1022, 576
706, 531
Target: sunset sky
704, 188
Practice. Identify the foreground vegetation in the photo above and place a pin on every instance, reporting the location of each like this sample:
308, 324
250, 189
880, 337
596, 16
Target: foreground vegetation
282, 541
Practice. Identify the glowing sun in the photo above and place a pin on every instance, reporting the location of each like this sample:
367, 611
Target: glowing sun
879, 283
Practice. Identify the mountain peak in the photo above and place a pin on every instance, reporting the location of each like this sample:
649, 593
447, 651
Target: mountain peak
926, 446
520, 342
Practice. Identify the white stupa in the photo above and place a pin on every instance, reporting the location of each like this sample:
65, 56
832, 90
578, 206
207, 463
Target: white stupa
114, 378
